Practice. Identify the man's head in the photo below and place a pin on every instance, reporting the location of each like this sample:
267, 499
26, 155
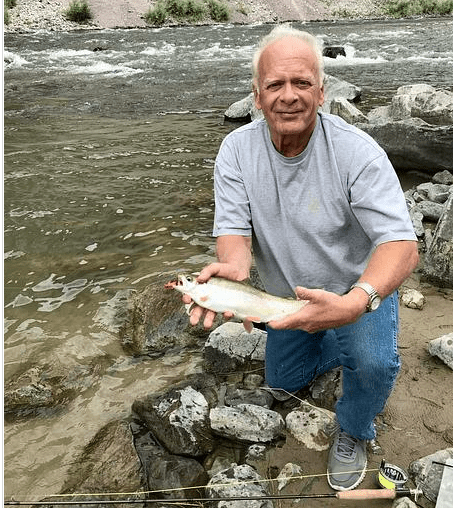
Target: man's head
288, 86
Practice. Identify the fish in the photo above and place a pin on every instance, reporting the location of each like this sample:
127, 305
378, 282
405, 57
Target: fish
247, 303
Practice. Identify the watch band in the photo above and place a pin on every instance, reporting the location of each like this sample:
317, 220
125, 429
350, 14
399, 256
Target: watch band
374, 299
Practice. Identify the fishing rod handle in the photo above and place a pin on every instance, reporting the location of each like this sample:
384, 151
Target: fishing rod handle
367, 494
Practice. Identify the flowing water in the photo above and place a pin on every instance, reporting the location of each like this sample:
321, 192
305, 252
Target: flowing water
110, 140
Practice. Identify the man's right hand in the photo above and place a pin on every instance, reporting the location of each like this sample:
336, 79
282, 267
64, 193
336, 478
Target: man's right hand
223, 270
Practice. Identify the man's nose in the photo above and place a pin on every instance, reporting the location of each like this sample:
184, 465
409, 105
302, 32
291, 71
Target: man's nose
288, 95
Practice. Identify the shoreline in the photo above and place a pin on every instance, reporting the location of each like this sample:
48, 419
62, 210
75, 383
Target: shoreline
32, 15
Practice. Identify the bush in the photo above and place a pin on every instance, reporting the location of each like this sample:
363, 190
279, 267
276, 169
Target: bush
404, 8
156, 16
7, 5
218, 11
78, 11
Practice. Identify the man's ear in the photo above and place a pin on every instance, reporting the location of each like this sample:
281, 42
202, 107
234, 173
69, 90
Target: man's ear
256, 94
321, 96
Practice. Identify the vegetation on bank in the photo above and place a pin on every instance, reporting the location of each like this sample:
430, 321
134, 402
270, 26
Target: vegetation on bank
404, 8
78, 11
7, 5
191, 11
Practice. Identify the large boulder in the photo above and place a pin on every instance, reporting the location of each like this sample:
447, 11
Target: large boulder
416, 129
438, 265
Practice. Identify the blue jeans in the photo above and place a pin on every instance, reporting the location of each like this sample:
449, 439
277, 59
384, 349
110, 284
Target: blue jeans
367, 350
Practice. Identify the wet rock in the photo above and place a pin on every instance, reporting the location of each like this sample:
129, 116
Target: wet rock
310, 426
178, 475
443, 177
238, 481
229, 348
327, 388
413, 299
179, 419
157, 321
247, 422
430, 211
236, 396
333, 51
109, 463
226, 454
442, 347
288, 471
428, 474
243, 110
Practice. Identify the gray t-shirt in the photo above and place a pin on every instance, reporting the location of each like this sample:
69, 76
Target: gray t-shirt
315, 218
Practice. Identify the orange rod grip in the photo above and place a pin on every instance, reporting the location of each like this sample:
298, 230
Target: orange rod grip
367, 494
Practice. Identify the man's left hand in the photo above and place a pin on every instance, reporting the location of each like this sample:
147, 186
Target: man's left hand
324, 310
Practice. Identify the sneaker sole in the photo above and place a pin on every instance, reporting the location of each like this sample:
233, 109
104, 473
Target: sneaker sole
356, 484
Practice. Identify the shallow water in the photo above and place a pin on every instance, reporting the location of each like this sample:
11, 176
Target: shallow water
110, 140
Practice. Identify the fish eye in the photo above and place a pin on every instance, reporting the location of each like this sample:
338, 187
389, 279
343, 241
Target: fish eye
189, 278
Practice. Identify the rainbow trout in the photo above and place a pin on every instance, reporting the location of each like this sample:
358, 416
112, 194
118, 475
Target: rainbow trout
247, 303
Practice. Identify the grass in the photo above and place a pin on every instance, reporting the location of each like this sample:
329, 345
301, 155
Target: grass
191, 11
78, 11
404, 8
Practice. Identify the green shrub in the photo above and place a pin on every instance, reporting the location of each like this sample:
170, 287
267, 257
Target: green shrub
195, 10
218, 11
156, 16
404, 8
78, 11
7, 5
10, 3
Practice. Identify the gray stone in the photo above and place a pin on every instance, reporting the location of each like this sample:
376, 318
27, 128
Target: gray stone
444, 177
438, 265
247, 422
417, 221
403, 502
342, 107
427, 474
179, 419
431, 211
310, 425
238, 481
442, 347
229, 347
413, 299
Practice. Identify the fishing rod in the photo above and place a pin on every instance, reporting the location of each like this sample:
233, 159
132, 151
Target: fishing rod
359, 494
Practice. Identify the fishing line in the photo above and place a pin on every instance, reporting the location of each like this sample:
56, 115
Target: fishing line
161, 491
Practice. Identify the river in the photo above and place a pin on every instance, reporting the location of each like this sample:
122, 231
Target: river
110, 139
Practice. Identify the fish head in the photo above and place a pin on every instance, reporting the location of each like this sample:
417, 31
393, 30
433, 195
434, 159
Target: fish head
185, 283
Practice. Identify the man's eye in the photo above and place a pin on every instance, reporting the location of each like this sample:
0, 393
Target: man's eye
273, 86
303, 84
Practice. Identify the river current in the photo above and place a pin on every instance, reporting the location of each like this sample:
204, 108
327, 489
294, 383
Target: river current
110, 139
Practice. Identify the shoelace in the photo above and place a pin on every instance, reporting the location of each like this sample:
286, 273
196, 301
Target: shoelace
346, 445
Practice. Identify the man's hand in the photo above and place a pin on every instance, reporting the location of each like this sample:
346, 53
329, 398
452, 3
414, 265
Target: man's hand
224, 270
324, 310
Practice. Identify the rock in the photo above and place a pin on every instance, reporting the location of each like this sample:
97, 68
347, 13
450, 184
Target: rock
243, 110
431, 211
412, 299
443, 177
424, 102
247, 422
333, 51
309, 425
257, 397
109, 463
427, 474
229, 347
442, 347
288, 471
436, 192
438, 266
178, 475
179, 419
226, 455
417, 221
147, 332
411, 144
327, 388
403, 502
342, 107
238, 481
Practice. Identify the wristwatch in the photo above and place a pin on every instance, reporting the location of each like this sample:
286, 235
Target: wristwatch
374, 299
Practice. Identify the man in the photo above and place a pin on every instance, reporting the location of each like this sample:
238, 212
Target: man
321, 205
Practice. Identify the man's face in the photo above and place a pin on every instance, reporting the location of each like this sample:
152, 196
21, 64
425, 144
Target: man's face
289, 89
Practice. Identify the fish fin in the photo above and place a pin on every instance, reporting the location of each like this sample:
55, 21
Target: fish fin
204, 298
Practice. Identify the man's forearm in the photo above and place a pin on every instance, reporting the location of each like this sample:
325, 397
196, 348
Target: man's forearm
236, 250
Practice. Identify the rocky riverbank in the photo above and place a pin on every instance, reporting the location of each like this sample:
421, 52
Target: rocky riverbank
49, 14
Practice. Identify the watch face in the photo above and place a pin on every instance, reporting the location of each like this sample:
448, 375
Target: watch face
375, 302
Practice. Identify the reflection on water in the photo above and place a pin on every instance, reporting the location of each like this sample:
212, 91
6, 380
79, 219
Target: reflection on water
108, 168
